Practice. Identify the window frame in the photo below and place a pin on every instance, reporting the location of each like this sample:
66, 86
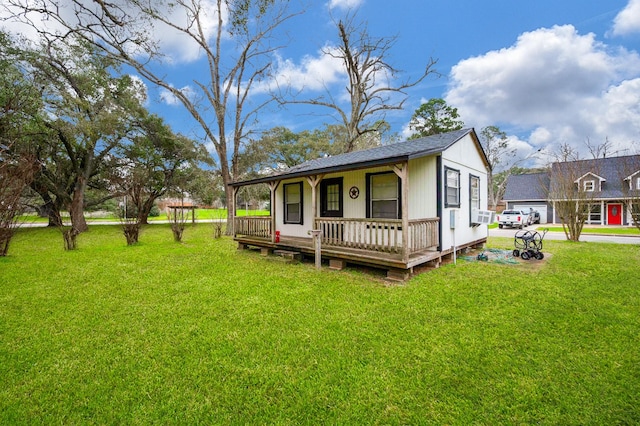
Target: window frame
324, 184
285, 211
370, 200
473, 204
447, 190
592, 184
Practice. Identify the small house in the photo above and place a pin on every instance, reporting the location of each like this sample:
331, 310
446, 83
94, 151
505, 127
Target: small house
395, 206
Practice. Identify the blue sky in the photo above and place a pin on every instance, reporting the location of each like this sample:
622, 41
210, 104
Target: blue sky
545, 71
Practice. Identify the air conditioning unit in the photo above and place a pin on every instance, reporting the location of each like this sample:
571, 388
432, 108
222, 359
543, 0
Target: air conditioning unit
484, 217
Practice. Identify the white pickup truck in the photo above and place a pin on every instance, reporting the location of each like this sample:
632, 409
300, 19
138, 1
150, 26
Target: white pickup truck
514, 218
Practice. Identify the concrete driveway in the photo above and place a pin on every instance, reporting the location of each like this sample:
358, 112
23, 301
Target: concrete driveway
595, 238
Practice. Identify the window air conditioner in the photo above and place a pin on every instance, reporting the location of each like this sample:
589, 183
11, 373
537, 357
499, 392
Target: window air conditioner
484, 217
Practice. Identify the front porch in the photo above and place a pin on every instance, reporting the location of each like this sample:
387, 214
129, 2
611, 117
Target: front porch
372, 242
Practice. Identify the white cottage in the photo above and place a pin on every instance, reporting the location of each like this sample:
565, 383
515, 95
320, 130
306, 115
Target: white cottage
395, 206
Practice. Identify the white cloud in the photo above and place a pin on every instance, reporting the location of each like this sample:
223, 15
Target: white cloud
345, 4
177, 46
313, 73
555, 84
628, 20
169, 98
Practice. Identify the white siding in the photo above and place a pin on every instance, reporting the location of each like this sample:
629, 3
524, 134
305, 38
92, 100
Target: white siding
423, 191
291, 229
465, 157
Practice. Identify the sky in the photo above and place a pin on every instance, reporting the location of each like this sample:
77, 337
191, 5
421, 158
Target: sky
547, 72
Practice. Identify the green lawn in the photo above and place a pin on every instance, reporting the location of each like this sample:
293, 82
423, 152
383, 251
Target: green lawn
199, 332
201, 214
602, 230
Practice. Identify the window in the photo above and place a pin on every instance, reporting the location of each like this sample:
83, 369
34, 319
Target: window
638, 183
474, 196
383, 196
293, 203
474, 192
595, 214
452, 188
331, 197
589, 185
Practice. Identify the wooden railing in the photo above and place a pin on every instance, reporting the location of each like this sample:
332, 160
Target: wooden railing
381, 235
252, 226
423, 234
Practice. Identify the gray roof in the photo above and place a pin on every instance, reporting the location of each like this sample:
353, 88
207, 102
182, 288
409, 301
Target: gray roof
613, 170
382, 155
532, 186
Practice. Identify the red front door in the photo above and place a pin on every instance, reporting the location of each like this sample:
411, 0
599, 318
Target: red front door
614, 214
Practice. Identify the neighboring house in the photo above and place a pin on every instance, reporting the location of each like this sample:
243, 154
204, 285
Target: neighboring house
390, 206
610, 185
529, 191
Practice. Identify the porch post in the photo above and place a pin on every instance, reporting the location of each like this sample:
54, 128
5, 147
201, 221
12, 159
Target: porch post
313, 182
232, 208
402, 170
273, 187
602, 212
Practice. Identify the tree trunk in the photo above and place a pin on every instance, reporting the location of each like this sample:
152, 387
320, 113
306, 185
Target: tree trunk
144, 210
76, 209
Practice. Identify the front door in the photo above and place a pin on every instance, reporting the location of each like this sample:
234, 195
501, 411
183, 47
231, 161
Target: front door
614, 214
331, 197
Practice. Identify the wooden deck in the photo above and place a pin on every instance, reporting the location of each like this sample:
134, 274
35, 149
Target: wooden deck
371, 242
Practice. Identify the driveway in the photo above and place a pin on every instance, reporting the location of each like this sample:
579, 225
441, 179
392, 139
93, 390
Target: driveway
594, 238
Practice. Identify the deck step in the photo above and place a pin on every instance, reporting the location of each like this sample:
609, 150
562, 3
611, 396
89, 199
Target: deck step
287, 254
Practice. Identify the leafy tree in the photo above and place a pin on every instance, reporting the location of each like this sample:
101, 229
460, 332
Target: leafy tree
91, 112
434, 117
280, 147
238, 55
154, 162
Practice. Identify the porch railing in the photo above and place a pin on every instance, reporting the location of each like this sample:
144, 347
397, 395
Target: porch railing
253, 226
423, 234
381, 235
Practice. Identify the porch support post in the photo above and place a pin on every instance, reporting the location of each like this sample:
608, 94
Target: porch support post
402, 170
273, 187
232, 207
602, 211
313, 182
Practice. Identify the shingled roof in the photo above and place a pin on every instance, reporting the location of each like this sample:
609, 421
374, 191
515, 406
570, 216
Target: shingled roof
527, 187
379, 156
613, 171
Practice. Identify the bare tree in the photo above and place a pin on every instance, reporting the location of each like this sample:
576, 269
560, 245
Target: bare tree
371, 85
501, 158
630, 179
238, 54
16, 172
572, 189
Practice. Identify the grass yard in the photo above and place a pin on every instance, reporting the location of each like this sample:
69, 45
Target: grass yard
601, 230
198, 332
201, 214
